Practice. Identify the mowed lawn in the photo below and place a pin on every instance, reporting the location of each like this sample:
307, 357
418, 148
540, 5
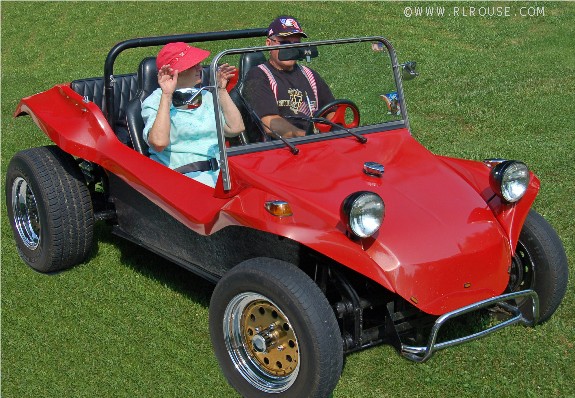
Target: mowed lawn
129, 324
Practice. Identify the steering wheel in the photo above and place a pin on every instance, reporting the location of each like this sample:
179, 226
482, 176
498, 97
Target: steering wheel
341, 106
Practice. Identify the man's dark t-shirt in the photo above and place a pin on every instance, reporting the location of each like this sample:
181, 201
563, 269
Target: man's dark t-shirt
295, 95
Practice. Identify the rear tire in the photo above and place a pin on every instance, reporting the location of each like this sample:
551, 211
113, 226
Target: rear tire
274, 332
540, 264
49, 208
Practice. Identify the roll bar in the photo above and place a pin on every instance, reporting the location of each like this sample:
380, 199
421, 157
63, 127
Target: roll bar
157, 41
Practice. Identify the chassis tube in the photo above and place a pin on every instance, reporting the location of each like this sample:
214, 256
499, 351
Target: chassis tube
423, 353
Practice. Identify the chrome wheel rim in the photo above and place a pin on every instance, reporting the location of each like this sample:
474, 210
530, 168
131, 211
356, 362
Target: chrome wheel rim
261, 342
25, 210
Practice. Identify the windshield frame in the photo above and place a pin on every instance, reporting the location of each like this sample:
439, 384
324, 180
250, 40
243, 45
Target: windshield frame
257, 147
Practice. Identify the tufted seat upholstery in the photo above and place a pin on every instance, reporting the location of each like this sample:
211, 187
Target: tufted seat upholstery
254, 129
125, 87
131, 89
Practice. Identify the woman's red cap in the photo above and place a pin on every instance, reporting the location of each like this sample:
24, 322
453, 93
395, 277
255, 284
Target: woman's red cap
180, 56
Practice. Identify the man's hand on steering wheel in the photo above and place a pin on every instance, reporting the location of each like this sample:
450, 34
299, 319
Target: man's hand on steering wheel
335, 111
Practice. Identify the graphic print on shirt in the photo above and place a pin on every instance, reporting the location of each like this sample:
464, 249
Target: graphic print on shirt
296, 99
299, 92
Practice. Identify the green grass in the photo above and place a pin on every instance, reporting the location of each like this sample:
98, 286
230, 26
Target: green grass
129, 324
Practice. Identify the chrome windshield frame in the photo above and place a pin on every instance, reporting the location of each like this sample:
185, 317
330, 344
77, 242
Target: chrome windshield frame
396, 69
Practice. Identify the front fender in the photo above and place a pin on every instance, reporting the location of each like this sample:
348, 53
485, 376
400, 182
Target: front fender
444, 243
511, 216
322, 232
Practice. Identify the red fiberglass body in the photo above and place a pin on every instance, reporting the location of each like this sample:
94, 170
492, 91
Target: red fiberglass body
330, 229
446, 240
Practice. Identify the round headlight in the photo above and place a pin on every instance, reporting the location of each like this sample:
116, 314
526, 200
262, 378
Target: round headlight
363, 212
509, 180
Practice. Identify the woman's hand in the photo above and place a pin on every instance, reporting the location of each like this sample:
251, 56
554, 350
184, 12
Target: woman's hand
234, 123
225, 73
167, 79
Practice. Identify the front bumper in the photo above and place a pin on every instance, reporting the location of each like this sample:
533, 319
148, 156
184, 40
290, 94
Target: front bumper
423, 353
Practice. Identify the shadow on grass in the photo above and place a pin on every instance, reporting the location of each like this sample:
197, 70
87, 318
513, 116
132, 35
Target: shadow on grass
156, 267
466, 325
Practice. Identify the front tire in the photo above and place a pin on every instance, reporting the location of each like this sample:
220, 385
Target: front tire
274, 332
49, 208
540, 264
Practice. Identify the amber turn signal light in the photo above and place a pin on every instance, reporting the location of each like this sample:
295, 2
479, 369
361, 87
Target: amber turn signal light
278, 208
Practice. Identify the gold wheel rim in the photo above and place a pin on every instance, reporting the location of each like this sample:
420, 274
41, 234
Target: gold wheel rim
261, 342
269, 338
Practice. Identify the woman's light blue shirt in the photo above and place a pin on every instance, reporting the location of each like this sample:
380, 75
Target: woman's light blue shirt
193, 135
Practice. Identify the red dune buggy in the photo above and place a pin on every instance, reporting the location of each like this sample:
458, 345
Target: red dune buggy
352, 236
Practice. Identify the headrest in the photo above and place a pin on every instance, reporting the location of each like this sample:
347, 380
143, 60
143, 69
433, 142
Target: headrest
147, 76
250, 60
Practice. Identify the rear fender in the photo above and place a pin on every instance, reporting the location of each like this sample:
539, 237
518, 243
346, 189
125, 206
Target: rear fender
511, 216
80, 129
77, 127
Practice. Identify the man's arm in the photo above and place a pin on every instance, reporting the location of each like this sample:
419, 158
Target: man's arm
260, 97
281, 126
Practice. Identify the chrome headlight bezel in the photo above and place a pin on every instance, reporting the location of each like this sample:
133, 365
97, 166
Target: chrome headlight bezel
510, 180
362, 213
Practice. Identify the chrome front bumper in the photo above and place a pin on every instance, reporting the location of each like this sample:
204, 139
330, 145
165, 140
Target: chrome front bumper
423, 353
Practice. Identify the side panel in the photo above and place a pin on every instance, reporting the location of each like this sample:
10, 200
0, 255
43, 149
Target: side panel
211, 256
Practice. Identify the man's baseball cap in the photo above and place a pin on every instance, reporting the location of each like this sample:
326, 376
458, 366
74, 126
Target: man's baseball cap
180, 56
285, 26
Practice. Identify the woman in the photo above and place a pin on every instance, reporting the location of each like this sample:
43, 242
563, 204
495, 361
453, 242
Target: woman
180, 137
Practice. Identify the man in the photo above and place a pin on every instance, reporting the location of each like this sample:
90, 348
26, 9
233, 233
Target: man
283, 88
